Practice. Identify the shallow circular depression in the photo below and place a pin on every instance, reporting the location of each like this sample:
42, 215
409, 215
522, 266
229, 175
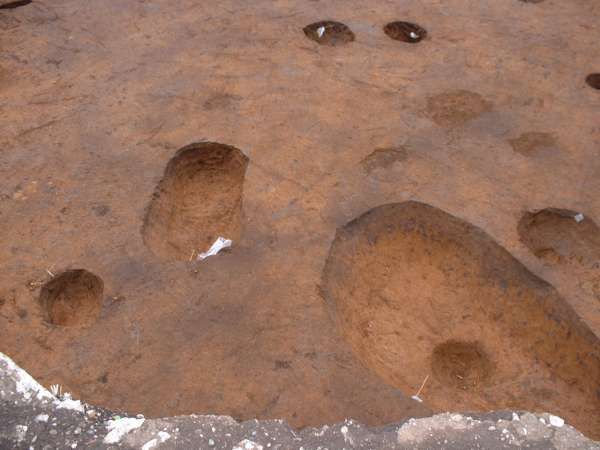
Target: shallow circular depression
533, 143
456, 108
198, 199
405, 32
329, 32
72, 298
418, 292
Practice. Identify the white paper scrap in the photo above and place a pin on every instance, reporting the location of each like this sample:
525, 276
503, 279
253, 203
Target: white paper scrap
217, 246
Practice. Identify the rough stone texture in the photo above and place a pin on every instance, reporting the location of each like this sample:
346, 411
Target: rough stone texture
32, 418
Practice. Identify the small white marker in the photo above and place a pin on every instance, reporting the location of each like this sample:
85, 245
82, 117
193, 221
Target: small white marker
320, 31
217, 246
579, 217
416, 396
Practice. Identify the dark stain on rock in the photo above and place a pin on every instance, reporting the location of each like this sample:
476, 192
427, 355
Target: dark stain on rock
103, 378
100, 210
283, 364
455, 108
382, 158
532, 143
311, 355
219, 101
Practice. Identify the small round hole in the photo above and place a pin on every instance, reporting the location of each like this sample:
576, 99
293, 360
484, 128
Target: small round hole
328, 32
73, 298
405, 32
460, 364
593, 80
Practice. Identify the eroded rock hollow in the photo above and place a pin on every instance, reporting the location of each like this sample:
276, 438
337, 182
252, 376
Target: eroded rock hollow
420, 293
198, 199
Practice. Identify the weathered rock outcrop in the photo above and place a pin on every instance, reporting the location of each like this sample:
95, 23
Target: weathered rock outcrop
33, 417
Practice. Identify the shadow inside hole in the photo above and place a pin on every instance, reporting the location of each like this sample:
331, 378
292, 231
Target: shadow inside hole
464, 365
593, 80
16, 4
405, 32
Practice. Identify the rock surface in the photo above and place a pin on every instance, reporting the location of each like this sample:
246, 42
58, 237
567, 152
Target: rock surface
33, 418
488, 118
491, 117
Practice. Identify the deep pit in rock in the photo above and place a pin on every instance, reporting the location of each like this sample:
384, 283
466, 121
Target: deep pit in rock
198, 199
72, 299
329, 32
567, 240
405, 32
561, 235
417, 292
